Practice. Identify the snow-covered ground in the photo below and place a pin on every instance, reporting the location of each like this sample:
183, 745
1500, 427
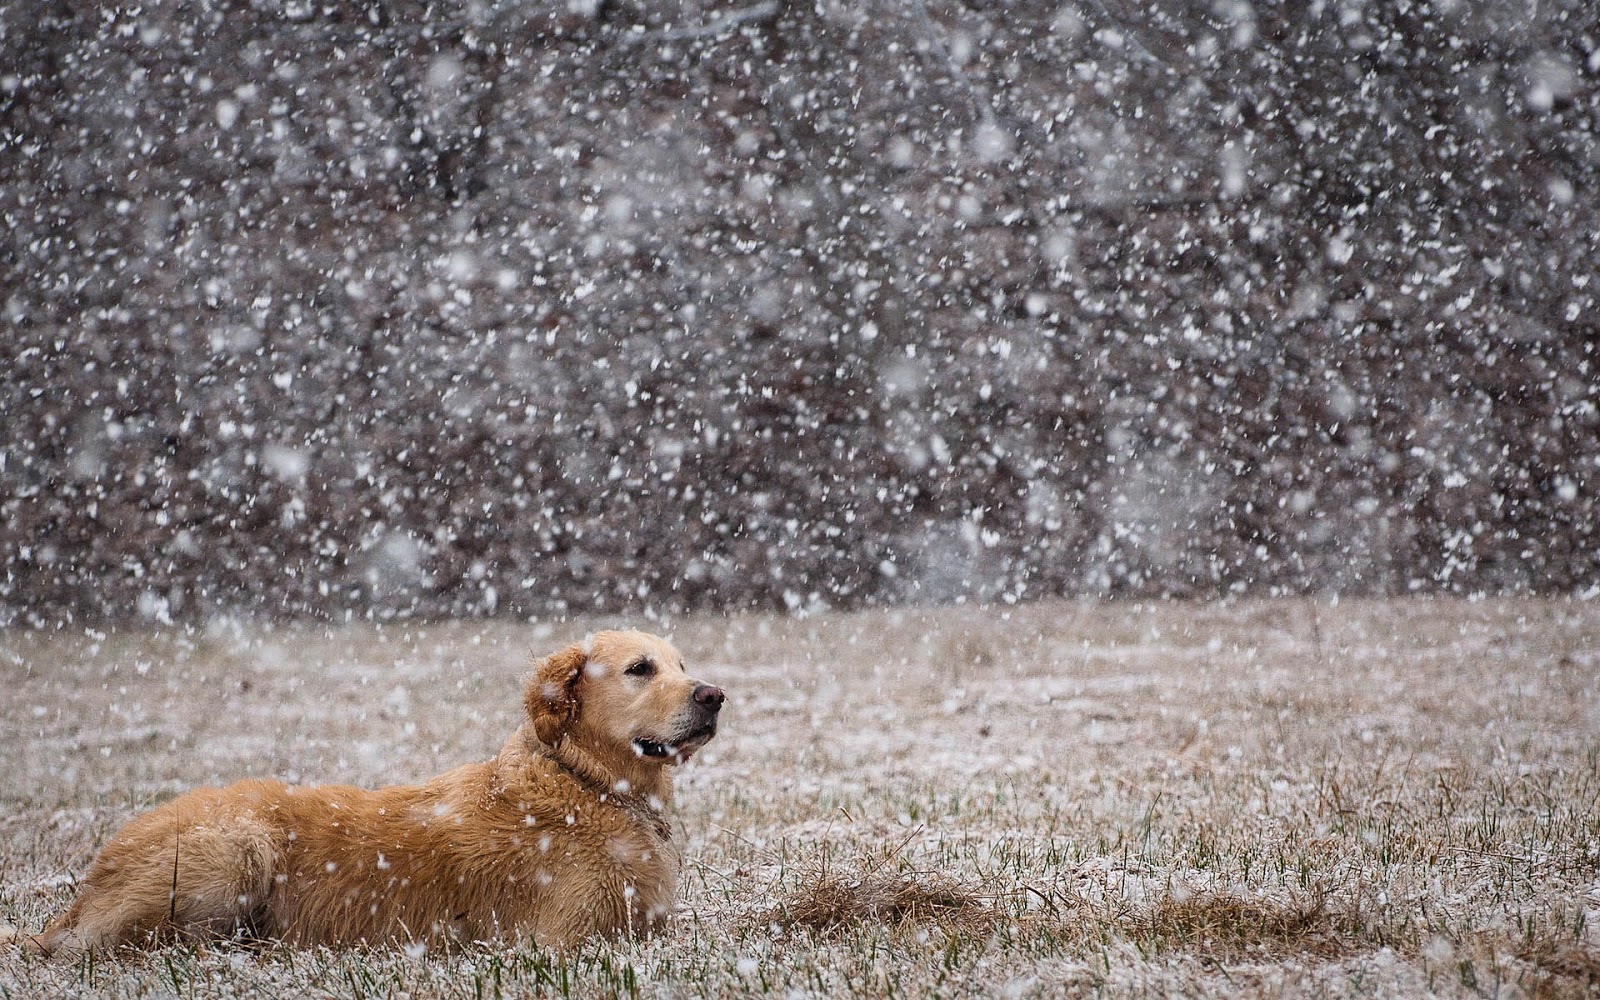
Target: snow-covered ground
1282, 798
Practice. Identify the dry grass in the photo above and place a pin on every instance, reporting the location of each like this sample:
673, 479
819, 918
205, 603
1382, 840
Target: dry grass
1227, 927
1562, 969
832, 898
1277, 799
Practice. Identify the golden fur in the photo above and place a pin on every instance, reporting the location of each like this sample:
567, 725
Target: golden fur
557, 838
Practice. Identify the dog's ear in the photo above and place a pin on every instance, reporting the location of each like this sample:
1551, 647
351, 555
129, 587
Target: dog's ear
552, 695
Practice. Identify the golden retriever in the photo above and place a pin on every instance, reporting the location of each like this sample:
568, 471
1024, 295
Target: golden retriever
560, 837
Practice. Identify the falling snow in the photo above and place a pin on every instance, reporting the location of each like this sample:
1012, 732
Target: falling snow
491, 308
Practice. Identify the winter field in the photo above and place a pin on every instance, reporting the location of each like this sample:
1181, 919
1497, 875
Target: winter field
1264, 799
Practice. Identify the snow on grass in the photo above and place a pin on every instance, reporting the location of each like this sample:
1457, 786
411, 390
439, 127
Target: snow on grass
1276, 798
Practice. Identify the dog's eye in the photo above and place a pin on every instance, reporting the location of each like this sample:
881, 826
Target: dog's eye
644, 668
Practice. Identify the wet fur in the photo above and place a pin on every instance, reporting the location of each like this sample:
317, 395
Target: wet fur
557, 838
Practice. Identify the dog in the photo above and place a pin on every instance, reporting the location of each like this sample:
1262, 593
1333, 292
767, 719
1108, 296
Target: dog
559, 838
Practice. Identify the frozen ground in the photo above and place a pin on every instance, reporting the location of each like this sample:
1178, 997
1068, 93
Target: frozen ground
1281, 799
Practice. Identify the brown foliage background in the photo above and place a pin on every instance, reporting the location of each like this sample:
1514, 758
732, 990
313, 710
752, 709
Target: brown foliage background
460, 308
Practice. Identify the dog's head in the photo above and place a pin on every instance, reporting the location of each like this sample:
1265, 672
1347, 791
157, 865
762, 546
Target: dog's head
623, 698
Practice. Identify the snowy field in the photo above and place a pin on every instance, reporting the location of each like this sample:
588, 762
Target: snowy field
1278, 799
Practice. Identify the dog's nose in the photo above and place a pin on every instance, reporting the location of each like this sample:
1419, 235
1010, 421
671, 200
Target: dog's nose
708, 697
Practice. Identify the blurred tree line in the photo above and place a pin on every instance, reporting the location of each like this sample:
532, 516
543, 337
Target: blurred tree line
447, 308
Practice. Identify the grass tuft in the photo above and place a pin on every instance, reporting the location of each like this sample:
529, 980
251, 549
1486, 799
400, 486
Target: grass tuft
1562, 972
1227, 926
830, 900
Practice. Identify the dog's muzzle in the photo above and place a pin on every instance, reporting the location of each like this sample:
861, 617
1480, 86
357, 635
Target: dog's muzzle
707, 702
